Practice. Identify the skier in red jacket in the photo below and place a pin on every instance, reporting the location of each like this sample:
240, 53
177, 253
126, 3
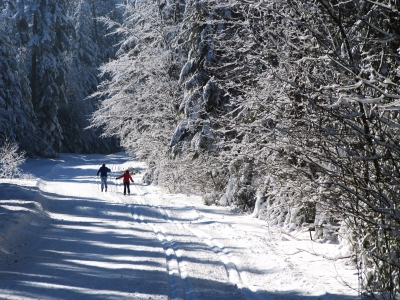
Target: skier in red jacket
126, 177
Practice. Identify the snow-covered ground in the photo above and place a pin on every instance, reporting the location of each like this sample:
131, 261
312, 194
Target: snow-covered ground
62, 238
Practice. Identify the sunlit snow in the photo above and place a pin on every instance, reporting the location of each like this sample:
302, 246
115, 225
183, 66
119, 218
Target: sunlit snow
62, 238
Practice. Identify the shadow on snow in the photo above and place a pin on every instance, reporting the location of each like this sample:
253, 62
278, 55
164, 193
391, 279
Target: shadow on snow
98, 251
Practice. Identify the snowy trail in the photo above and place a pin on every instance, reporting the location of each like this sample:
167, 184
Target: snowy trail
88, 249
149, 245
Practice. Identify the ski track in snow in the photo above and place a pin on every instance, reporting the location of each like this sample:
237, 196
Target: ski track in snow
174, 260
232, 272
179, 285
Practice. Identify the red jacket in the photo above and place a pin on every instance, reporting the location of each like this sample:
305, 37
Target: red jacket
126, 176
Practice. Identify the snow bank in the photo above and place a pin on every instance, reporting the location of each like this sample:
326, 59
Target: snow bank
20, 210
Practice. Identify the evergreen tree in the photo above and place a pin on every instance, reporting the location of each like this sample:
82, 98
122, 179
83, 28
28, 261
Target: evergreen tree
17, 118
48, 41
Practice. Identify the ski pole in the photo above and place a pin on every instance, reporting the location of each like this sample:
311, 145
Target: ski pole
137, 189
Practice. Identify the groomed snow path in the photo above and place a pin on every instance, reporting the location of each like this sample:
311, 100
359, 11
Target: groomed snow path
65, 239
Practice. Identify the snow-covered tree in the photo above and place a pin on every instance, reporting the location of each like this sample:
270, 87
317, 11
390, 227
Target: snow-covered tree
312, 84
48, 41
10, 159
350, 145
142, 93
84, 58
17, 118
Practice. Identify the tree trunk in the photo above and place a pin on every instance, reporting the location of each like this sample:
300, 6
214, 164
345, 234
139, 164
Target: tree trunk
94, 22
34, 65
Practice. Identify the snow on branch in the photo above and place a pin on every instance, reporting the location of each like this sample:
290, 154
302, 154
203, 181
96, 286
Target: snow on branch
10, 160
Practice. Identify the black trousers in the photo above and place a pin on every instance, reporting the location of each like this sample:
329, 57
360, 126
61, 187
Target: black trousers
126, 187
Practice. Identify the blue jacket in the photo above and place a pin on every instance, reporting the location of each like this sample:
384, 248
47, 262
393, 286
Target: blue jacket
103, 171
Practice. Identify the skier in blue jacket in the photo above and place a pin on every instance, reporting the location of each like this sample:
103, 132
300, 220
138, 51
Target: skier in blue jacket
103, 175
